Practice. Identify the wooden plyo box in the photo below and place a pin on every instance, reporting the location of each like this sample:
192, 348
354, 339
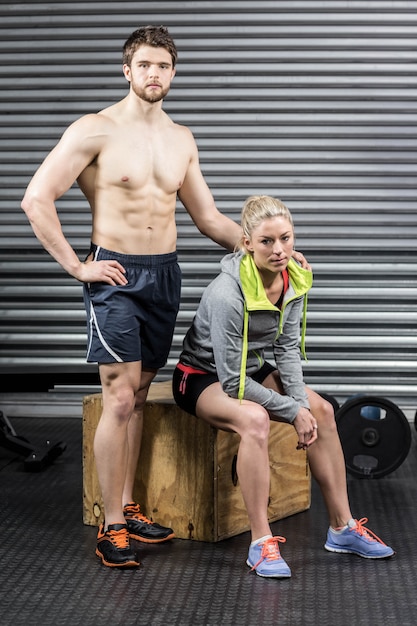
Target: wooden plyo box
186, 477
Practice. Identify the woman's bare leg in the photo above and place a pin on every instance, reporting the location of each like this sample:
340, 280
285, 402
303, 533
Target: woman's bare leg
325, 456
327, 462
252, 423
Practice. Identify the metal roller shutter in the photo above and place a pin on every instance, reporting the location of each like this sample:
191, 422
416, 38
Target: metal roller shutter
312, 102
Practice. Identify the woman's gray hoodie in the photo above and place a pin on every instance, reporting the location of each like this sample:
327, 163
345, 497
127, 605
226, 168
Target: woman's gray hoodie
234, 324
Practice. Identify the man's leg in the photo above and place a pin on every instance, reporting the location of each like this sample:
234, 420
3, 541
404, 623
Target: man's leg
140, 527
119, 381
134, 435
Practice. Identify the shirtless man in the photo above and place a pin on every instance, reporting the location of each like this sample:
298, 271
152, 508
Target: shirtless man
131, 161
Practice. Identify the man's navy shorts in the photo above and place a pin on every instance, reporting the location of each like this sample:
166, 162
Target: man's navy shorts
133, 322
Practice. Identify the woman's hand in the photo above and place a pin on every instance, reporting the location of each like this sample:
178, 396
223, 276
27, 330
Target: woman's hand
306, 426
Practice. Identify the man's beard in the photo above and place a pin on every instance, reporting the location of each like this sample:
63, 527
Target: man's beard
150, 95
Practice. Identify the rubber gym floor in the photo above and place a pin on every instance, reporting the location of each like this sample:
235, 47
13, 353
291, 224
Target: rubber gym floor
50, 575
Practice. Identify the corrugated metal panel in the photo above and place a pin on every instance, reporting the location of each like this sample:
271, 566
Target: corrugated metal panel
313, 102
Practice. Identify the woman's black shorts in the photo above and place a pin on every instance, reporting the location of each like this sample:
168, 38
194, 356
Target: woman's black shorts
187, 387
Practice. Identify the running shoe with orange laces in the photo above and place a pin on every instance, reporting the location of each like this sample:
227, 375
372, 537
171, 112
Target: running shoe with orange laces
143, 529
113, 546
356, 539
266, 560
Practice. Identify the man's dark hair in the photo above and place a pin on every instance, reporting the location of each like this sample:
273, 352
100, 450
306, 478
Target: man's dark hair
155, 36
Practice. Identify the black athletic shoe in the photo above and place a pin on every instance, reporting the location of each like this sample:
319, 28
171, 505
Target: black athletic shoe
143, 529
113, 546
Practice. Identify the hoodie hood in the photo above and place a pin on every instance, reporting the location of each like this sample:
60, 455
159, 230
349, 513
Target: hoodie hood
242, 267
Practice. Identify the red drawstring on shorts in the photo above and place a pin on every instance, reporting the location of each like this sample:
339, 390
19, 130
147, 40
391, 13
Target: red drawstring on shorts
186, 369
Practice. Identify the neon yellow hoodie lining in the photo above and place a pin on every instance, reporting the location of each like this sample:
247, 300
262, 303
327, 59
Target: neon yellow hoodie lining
256, 300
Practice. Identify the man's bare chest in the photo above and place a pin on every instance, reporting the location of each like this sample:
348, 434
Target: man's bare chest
133, 162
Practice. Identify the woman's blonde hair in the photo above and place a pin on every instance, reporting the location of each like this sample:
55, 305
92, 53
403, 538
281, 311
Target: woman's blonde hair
255, 210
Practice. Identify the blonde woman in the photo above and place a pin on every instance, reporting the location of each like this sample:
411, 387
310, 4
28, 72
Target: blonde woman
256, 303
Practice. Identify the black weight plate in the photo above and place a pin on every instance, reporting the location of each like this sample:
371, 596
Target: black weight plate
373, 447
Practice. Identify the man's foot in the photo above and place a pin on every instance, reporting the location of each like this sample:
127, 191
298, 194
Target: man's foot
266, 560
356, 539
143, 529
113, 546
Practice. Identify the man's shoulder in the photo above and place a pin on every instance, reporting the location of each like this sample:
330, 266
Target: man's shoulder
91, 122
181, 129
182, 138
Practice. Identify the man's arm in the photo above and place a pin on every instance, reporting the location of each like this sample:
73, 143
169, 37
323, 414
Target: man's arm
198, 201
75, 150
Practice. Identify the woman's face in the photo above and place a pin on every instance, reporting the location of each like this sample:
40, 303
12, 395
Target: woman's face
271, 244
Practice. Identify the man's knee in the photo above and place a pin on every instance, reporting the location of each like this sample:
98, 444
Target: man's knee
141, 395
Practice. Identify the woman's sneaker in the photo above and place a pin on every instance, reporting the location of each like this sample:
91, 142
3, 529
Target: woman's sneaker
266, 560
143, 529
356, 539
113, 546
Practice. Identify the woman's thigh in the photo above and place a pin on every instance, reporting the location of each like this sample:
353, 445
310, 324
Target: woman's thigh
320, 408
224, 412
